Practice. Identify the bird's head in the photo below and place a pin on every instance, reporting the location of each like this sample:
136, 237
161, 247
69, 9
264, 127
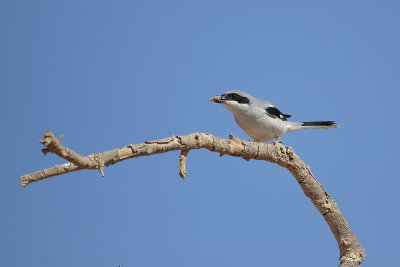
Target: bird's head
233, 100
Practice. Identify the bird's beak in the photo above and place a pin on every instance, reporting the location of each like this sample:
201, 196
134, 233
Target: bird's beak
217, 98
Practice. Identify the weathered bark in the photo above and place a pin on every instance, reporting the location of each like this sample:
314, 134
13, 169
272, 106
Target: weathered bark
351, 252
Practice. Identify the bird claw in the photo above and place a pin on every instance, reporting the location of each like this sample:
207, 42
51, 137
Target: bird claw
275, 141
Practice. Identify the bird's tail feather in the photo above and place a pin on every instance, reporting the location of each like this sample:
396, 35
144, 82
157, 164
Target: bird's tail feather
319, 124
296, 126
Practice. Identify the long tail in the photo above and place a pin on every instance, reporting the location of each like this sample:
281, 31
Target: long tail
319, 124
295, 126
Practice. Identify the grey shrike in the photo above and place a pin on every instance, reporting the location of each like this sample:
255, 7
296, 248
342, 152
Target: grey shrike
260, 119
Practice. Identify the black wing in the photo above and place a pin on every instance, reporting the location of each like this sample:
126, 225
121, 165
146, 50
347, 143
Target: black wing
275, 113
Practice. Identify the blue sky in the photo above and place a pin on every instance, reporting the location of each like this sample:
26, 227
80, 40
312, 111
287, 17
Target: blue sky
109, 73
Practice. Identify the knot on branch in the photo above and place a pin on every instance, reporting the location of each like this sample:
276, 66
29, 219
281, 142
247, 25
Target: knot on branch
98, 162
236, 147
283, 155
353, 258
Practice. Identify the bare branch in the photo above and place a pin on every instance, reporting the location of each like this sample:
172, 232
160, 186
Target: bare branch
351, 252
47, 173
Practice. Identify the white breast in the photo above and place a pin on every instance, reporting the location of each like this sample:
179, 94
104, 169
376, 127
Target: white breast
257, 124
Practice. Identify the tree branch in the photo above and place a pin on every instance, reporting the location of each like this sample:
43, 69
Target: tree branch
351, 252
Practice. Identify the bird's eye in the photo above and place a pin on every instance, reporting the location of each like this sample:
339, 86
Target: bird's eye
238, 98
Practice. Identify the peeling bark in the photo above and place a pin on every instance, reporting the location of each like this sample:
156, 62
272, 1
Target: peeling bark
351, 252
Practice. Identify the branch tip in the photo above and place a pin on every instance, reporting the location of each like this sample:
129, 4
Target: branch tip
101, 169
23, 183
182, 163
48, 133
45, 151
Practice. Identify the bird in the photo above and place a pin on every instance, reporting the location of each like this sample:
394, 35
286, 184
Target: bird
260, 119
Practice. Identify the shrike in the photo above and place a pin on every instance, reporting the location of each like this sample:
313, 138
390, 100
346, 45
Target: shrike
260, 119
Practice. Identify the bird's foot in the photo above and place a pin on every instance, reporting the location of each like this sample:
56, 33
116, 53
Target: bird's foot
276, 141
